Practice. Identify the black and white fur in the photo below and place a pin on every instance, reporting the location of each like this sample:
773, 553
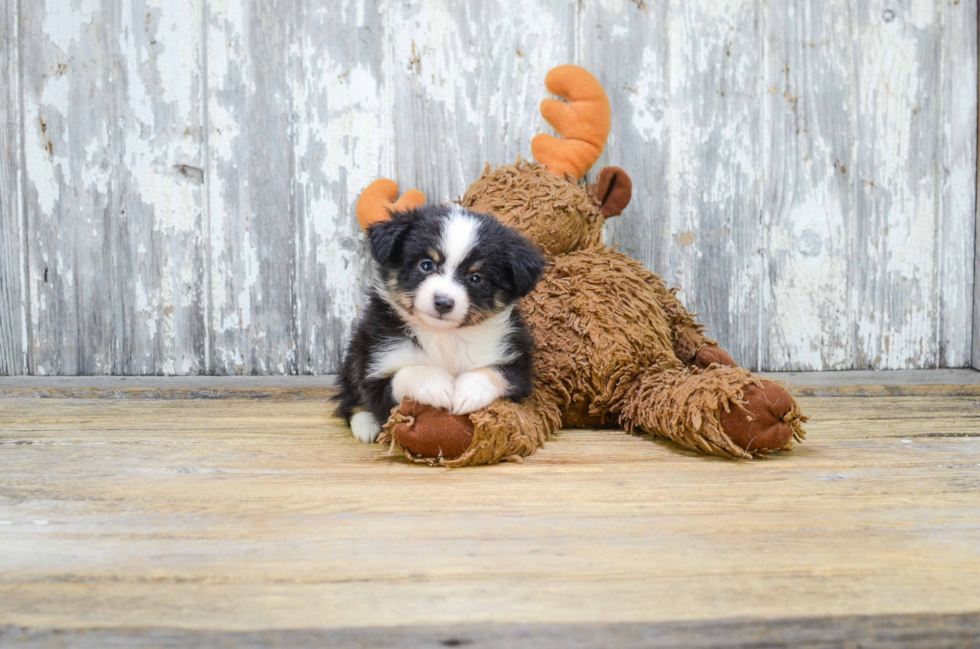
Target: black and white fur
440, 325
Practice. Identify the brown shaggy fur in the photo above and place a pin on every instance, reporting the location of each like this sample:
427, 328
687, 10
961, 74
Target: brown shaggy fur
614, 346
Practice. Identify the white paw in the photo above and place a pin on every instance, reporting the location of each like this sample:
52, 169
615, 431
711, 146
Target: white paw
473, 390
423, 384
364, 427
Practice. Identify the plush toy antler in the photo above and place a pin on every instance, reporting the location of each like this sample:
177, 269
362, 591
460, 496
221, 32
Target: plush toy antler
583, 122
377, 202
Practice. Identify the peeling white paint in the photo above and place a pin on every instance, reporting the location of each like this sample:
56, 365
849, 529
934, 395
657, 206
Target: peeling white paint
177, 59
648, 114
166, 300
44, 149
65, 20
250, 269
351, 129
921, 13
897, 327
148, 310
95, 174
150, 160
809, 288
713, 167
957, 243
41, 168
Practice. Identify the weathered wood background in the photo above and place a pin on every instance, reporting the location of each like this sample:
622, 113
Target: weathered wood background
178, 176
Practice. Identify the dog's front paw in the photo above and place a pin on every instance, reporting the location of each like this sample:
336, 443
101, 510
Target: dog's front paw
473, 390
431, 386
364, 427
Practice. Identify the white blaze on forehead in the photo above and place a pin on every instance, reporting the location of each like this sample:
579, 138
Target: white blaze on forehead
458, 238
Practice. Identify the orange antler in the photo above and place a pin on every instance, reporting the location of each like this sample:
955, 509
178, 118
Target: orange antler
377, 202
583, 122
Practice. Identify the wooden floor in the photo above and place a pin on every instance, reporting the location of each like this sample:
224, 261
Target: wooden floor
256, 522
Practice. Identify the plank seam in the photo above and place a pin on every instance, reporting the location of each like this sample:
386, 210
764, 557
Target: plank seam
976, 208
27, 335
939, 194
295, 212
206, 146
849, 223
762, 162
390, 155
914, 630
860, 384
120, 196
975, 324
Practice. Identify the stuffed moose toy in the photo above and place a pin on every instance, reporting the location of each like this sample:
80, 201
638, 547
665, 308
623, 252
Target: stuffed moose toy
614, 347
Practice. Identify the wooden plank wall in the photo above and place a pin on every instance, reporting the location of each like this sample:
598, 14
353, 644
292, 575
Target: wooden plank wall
13, 330
976, 260
178, 176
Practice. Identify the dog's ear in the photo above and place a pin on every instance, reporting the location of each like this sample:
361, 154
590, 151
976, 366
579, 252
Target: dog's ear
385, 237
527, 264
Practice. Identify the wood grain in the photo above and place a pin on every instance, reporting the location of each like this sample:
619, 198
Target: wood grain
341, 138
467, 79
683, 79
957, 244
868, 632
804, 171
898, 167
628, 47
854, 383
252, 232
699, 73
113, 169
809, 162
976, 257
171, 387
247, 515
160, 255
72, 225
13, 325
871, 383
714, 185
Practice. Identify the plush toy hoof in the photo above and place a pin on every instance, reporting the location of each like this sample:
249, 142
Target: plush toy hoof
762, 423
709, 355
431, 432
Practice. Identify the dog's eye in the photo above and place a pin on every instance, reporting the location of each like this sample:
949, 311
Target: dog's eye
427, 265
475, 279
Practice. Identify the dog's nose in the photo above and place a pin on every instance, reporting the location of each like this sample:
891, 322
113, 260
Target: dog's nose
443, 304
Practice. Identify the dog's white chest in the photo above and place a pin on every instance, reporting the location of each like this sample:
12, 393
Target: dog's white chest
456, 351
459, 351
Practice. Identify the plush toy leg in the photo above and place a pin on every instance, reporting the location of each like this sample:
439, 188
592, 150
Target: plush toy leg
755, 424
723, 411
504, 430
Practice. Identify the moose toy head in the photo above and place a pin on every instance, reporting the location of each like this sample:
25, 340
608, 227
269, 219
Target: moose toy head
544, 201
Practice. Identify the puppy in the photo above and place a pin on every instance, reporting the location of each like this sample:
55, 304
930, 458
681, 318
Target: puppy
440, 325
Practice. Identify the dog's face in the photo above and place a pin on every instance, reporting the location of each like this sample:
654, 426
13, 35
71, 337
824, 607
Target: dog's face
444, 267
